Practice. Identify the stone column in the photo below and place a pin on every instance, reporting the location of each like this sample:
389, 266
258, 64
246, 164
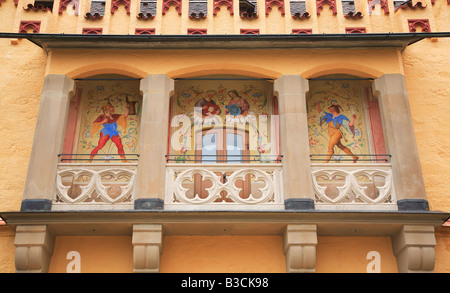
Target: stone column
34, 248
299, 246
414, 248
401, 142
48, 142
156, 90
298, 186
147, 242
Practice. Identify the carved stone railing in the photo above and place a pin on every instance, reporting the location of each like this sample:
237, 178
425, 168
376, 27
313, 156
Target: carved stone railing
223, 186
353, 186
81, 186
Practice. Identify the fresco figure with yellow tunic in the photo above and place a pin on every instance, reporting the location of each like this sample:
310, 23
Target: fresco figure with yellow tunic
334, 121
109, 122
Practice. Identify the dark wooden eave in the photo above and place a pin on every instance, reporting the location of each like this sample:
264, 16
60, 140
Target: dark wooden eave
261, 41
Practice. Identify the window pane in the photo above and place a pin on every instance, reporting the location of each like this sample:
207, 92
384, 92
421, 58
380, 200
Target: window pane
234, 148
209, 148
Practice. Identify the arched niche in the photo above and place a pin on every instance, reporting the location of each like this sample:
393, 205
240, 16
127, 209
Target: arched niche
103, 121
219, 105
356, 133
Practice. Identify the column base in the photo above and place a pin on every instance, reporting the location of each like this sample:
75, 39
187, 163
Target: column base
36, 205
149, 204
299, 204
413, 205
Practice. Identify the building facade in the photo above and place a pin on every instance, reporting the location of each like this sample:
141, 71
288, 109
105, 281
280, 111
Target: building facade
182, 136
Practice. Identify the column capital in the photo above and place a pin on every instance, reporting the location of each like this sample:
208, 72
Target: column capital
389, 83
157, 82
291, 84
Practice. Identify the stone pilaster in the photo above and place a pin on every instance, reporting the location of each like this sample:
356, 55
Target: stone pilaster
48, 142
34, 248
401, 142
147, 248
299, 246
298, 186
414, 248
156, 90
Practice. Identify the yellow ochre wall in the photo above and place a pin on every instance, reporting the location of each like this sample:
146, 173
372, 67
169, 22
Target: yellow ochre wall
221, 254
98, 254
24, 67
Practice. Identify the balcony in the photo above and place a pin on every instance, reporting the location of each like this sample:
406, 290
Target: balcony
340, 185
254, 183
109, 184
103, 183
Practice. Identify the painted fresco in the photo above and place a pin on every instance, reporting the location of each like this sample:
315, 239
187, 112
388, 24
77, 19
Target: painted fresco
336, 121
217, 105
109, 120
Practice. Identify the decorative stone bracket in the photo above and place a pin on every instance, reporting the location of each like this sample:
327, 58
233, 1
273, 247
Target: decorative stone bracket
148, 243
414, 248
34, 248
299, 246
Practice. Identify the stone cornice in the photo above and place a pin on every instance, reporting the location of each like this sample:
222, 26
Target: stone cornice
329, 223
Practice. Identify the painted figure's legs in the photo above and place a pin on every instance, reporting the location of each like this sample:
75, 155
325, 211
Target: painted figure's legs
347, 151
101, 143
116, 139
334, 140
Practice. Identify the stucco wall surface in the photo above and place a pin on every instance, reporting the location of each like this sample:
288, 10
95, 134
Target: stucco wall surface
442, 251
22, 70
258, 63
351, 254
223, 254
427, 70
7, 250
97, 254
